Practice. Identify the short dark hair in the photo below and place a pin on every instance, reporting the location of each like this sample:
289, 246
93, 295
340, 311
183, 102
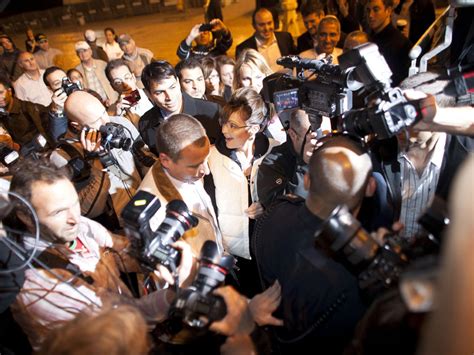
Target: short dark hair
256, 11
312, 7
177, 132
5, 81
29, 171
155, 72
49, 71
114, 64
189, 63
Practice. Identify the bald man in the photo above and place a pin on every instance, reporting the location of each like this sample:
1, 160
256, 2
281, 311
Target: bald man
87, 112
30, 85
320, 297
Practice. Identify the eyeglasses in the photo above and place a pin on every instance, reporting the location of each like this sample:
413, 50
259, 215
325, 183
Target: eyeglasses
119, 81
230, 125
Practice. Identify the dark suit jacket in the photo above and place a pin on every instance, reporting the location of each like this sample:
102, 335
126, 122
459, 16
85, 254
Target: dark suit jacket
284, 40
305, 41
205, 112
386, 164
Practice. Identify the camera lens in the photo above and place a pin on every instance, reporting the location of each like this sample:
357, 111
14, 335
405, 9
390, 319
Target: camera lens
177, 221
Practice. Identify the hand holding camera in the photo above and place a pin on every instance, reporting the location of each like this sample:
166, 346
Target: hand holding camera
193, 34
59, 98
90, 140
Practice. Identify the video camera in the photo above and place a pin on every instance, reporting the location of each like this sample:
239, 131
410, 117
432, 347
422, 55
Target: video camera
377, 264
149, 245
362, 69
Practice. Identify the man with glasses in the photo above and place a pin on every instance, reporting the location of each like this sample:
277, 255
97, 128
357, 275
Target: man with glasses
45, 56
132, 102
163, 89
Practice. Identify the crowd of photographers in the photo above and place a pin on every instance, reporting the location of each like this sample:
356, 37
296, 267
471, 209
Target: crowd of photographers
218, 206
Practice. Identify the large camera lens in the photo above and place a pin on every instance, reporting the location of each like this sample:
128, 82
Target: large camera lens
213, 268
177, 221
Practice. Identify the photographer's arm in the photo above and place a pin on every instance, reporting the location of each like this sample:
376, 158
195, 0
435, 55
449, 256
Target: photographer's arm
185, 45
224, 41
452, 120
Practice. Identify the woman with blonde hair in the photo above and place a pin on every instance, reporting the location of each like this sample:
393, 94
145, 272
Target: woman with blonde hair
250, 70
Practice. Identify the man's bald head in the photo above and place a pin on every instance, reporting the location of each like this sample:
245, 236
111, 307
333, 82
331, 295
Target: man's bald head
338, 173
85, 109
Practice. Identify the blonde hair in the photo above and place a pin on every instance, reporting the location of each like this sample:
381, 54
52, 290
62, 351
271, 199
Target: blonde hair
251, 58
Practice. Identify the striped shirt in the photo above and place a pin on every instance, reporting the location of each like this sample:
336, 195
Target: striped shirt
94, 82
418, 191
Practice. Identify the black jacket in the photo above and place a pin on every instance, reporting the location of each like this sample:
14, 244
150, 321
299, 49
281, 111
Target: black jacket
304, 42
320, 300
205, 112
394, 46
284, 40
386, 164
281, 172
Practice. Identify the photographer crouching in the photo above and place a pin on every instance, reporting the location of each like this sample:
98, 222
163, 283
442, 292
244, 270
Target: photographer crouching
106, 138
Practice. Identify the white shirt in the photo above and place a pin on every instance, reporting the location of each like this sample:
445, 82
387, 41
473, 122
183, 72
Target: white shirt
29, 89
271, 52
417, 192
113, 50
196, 198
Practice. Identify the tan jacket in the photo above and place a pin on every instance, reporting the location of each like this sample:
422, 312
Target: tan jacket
100, 65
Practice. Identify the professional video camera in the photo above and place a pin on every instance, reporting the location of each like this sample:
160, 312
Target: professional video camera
69, 87
361, 69
378, 264
152, 246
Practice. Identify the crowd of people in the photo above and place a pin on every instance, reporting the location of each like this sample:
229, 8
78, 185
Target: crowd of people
78, 144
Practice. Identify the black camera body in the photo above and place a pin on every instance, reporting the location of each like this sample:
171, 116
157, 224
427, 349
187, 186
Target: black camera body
377, 265
205, 27
196, 306
114, 136
69, 87
362, 69
153, 246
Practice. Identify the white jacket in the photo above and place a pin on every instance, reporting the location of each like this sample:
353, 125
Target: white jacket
232, 199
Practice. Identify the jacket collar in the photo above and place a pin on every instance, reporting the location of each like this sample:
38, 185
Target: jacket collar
261, 147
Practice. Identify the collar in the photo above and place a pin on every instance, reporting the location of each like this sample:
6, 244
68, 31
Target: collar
177, 183
311, 221
261, 147
16, 107
40, 76
260, 44
90, 68
437, 154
